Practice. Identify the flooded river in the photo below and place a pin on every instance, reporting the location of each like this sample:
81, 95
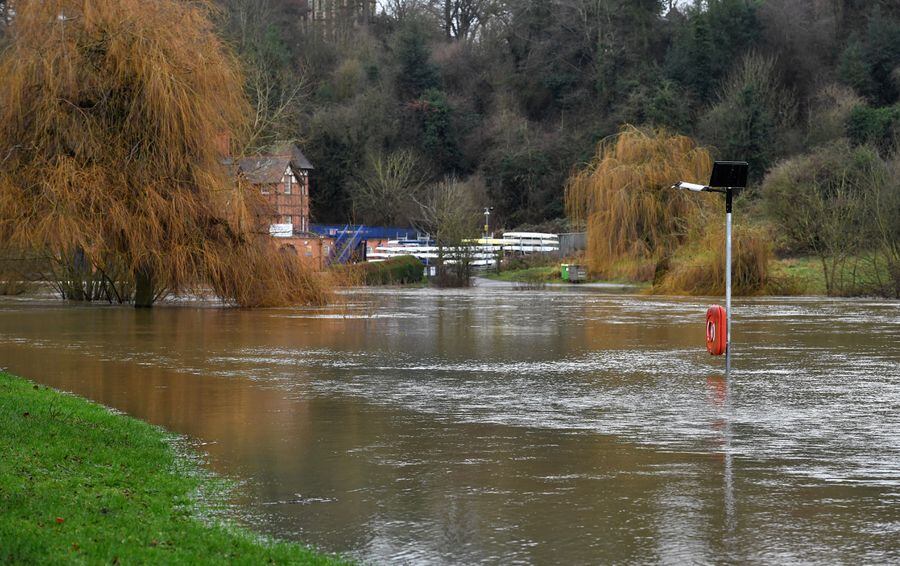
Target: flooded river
502, 426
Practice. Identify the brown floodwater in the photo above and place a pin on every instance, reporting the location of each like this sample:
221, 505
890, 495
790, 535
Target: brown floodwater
502, 426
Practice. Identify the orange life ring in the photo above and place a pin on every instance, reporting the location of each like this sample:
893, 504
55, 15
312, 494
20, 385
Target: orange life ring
716, 330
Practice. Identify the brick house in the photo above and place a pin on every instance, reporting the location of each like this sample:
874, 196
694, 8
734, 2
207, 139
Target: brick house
283, 178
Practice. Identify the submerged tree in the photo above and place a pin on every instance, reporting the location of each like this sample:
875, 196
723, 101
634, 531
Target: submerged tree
622, 197
112, 118
639, 228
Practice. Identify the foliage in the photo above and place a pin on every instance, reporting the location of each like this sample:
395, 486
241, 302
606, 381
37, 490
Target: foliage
829, 112
623, 198
112, 169
438, 139
532, 275
639, 228
79, 483
386, 192
520, 91
885, 255
752, 111
878, 127
395, 271
714, 36
417, 73
699, 269
824, 203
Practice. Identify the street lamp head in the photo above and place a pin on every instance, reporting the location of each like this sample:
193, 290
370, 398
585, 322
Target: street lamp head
729, 174
689, 186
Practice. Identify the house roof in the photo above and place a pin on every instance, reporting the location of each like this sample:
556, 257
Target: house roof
264, 169
297, 158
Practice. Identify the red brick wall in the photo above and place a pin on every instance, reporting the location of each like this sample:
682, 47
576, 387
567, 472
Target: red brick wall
294, 205
312, 250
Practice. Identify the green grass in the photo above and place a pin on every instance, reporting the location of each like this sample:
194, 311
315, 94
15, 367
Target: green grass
856, 276
797, 276
80, 484
546, 274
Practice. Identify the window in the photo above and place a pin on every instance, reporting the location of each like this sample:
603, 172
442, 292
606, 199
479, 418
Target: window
287, 219
288, 183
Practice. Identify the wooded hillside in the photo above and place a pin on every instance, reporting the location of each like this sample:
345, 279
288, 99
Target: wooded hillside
518, 92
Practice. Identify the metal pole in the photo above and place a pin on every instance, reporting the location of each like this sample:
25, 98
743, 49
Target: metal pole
728, 280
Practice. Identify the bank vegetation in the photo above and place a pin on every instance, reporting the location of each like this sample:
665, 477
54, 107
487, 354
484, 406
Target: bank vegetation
81, 484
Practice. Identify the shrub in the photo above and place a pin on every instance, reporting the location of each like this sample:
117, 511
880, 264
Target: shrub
879, 127
395, 271
699, 269
827, 204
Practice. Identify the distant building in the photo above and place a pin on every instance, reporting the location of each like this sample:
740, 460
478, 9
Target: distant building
283, 178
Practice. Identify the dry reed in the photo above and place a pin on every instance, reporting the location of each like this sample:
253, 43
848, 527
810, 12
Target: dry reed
699, 268
110, 112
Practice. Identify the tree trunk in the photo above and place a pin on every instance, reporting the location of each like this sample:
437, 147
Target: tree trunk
143, 288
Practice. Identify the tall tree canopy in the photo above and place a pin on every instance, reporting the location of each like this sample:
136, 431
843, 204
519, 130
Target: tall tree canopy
520, 91
112, 120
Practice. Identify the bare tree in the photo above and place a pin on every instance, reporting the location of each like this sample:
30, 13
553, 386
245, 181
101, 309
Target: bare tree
821, 204
277, 105
277, 94
387, 191
450, 211
462, 19
401, 10
885, 214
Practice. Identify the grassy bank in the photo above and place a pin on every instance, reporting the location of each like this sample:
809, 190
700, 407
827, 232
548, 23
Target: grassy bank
787, 276
81, 484
403, 270
544, 274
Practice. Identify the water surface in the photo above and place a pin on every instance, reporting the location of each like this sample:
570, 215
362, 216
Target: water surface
502, 426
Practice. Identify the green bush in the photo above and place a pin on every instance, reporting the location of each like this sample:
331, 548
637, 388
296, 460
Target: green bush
395, 271
879, 127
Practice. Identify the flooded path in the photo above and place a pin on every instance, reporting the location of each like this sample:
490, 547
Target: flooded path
502, 426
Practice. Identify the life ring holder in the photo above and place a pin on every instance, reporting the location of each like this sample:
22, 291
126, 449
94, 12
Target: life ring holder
716, 330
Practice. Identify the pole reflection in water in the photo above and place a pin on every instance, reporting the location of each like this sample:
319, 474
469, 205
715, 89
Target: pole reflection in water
720, 397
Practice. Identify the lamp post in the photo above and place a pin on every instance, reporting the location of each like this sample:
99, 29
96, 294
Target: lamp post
727, 176
487, 216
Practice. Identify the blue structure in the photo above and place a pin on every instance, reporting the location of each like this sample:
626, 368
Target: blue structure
365, 232
350, 240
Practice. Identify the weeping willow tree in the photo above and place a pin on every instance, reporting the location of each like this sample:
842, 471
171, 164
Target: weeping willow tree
639, 228
112, 116
622, 198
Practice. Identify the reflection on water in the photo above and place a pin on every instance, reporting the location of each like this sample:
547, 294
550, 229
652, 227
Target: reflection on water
507, 426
